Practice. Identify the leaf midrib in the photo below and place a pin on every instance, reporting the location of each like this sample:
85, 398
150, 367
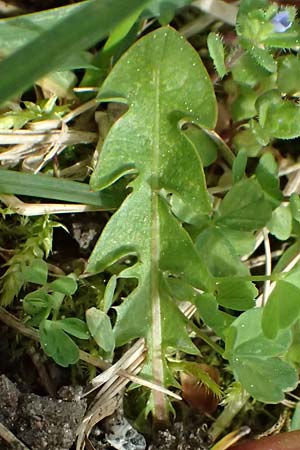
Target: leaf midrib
157, 357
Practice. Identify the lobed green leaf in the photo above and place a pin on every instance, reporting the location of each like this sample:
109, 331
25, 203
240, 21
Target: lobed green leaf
75, 327
37, 303
267, 176
236, 294
282, 309
256, 361
214, 318
65, 285
36, 272
99, 326
244, 207
57, 344
280, 224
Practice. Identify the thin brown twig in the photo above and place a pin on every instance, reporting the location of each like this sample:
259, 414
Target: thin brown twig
37, 209
11, 439
268, 267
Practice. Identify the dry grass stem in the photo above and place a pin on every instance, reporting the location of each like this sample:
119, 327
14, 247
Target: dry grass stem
223, 11
69, 137
11, 439
38, 209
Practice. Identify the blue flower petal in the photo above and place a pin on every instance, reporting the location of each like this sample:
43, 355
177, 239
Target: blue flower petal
281, 22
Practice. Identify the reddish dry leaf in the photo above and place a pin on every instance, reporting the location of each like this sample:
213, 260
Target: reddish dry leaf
196, 394
282, 441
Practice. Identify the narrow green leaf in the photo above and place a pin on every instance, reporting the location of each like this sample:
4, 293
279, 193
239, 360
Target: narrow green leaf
282, 309
16, 32
119, 40
204, 145
239, 166
57, 344
80, 30
109, 293
164, 9
256, 361
295, 422
12, 182
159, 98
288, 255
217, 54
100, 328
75, 327
125, 34
36, 273
79, 60
295, 206
66, 285
119, 33
288, 39
293, 355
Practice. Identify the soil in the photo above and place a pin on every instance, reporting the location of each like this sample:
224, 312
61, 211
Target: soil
117, 433
190, 435
46, 423
42, 423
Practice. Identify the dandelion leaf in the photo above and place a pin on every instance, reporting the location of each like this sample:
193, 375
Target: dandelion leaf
165, 84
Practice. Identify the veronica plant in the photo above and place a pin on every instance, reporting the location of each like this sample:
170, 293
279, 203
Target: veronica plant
263, 78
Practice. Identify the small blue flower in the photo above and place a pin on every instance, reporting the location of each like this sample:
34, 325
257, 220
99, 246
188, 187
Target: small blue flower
281, 22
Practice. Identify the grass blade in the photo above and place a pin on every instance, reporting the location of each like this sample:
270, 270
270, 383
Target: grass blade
12, 182
15, 32
79, 31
